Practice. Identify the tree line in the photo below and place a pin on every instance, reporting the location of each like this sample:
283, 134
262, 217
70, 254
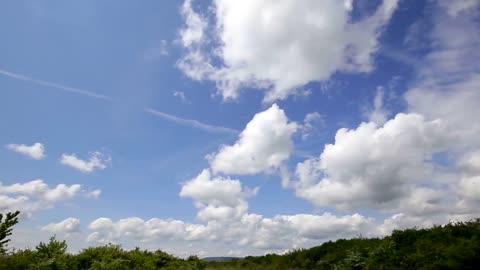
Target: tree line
452, 246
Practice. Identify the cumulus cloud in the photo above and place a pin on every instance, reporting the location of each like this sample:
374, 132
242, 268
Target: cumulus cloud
258, 43
217, 197
262, 146
278, 233
35, 151
34, 195
66, 227
223, 209
372, 166
97, 161
397, 166
217, 190
106, 230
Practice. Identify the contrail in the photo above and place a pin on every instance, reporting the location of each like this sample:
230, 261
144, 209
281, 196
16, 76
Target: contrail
54, 85
191, 123
168, 117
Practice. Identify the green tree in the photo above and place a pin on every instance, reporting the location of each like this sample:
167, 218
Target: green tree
6, 227
52, 255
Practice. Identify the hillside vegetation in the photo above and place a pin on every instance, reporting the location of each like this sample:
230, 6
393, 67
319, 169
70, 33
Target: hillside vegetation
452, 246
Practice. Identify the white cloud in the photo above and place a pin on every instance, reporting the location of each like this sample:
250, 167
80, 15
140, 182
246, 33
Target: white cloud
35, 151
394, 167
258, 43
255, 232
372, 166
308, 123
97, 161
94, 194
180, 95
378, 115
218, 198
66, 227
195, 25
217, 190
455, 7
263, 145
106, 230
448, 89
34, 195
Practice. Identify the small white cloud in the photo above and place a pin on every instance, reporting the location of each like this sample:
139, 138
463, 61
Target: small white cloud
180, 95
66, 227
94, 194
157, 51
35, 151
96, 161
308, 123
264, 144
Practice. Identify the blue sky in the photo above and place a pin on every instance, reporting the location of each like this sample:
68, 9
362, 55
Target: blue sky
234, 128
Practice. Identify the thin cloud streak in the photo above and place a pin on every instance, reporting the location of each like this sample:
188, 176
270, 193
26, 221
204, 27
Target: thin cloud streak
165, 116
54, 85
191, 122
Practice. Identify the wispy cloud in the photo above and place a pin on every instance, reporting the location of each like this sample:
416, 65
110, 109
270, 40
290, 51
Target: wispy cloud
181, 96
96, 161
168, 117
191, 122
61, 87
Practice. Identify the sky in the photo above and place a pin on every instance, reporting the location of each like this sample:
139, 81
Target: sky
233, 128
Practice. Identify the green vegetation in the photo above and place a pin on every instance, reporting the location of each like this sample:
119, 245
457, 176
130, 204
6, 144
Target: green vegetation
6, 227
53, 256
453, 246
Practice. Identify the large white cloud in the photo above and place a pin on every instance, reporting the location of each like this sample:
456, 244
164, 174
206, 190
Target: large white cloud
263, 146
35, 151
223, 210
282, 232
372, 166
421, 166
97, 161
280, 45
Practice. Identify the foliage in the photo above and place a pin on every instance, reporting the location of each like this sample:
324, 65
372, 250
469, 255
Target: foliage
6, 228
453, 246
53, 256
